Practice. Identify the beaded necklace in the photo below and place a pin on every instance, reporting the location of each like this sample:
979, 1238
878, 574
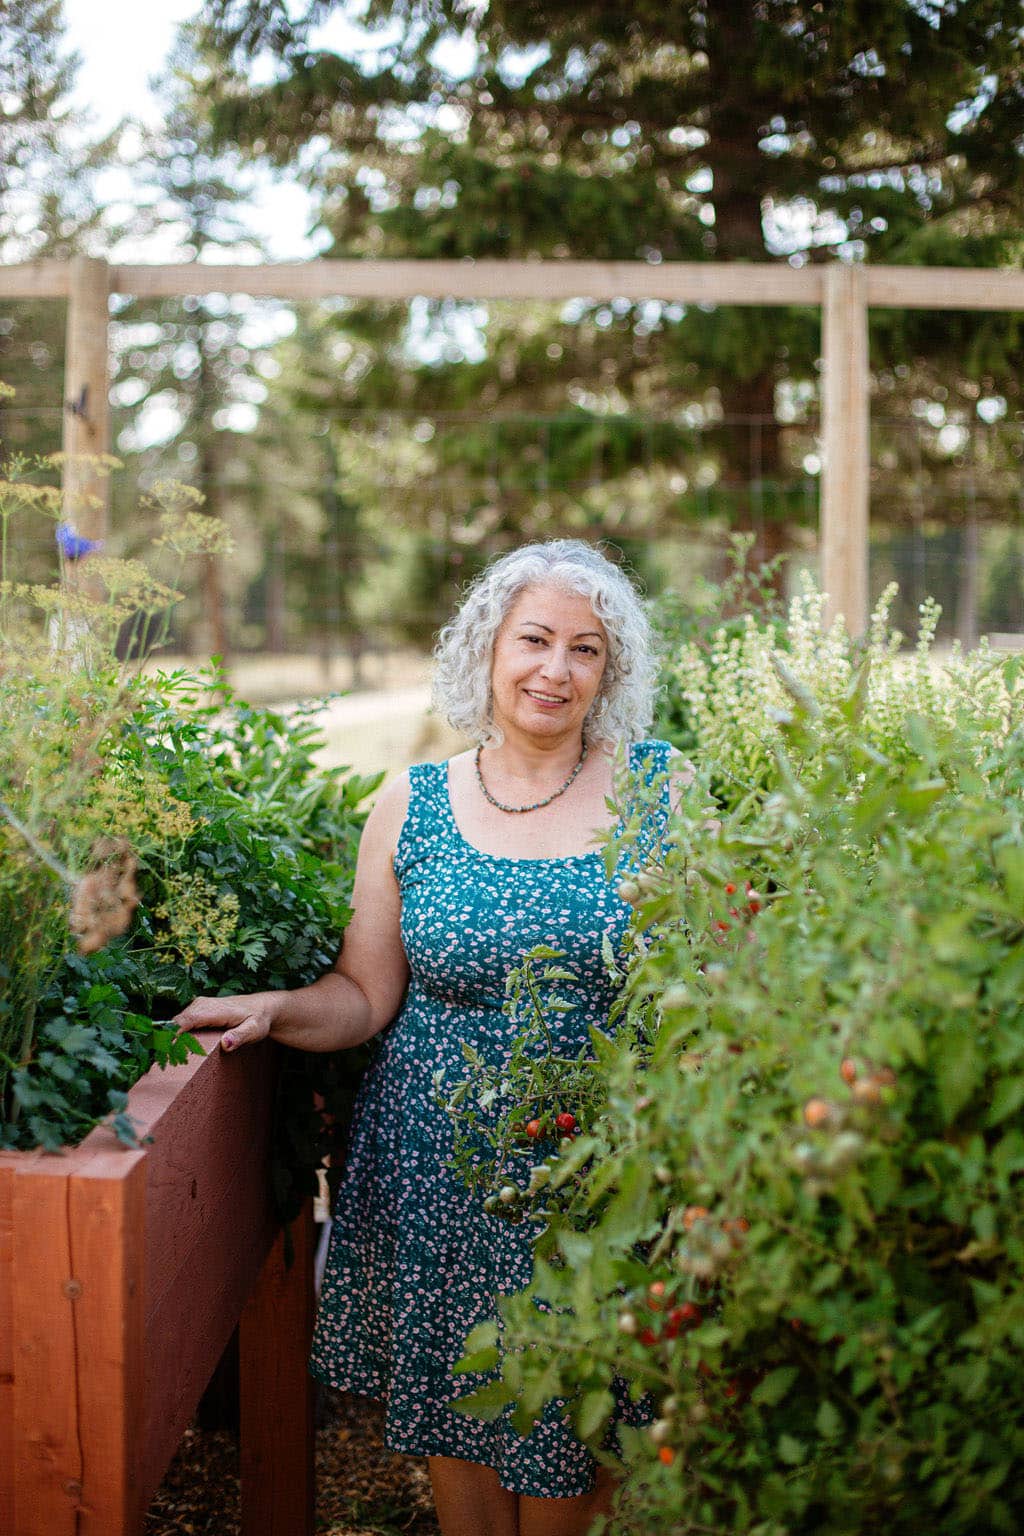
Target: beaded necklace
520, 810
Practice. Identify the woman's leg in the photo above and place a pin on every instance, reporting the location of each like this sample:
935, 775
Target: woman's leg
567, 1517
470, 1500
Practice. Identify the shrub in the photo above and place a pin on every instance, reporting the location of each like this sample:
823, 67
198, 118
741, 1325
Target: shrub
792, 1219
191, 841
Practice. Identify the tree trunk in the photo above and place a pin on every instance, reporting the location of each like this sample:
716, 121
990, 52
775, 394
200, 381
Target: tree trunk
274, 594
213, 625
749, 441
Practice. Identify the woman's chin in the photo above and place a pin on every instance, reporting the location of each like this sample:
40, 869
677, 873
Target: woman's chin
548, 723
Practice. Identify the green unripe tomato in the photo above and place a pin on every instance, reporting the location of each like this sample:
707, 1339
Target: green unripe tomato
508, 1194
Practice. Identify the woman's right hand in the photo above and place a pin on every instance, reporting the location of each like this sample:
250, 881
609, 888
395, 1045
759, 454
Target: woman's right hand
245, 1019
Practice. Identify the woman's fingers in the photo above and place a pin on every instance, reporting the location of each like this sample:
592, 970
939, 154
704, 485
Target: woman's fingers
246, 1033
208, 1013
245, 1019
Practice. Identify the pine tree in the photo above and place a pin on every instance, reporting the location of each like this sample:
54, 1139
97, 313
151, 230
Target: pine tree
48, 208
199, 359
758, 130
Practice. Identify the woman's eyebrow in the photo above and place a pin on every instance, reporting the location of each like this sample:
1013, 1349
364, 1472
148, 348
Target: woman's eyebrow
583, 634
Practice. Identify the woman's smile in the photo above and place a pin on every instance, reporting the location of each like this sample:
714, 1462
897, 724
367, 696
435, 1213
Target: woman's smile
549, 662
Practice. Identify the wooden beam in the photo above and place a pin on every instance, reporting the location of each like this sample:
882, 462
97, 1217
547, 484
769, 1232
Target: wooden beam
106, 1209
888, 287
9, 1448
694, 282
944, 288
207, 1234
277, 1392
48, 1465
87, 398
35, 280
122, 1274
845, 447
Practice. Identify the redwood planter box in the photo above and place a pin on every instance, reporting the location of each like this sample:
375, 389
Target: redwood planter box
122, 1276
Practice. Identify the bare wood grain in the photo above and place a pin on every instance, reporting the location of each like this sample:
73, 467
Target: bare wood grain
7, 1171
47, 1448
106, 1211
686, 282
123, 1273
845, 438
209, 1227
87, 398
277, 1392
943, 288
35, 280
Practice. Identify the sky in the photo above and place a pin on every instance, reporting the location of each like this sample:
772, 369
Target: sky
122, 45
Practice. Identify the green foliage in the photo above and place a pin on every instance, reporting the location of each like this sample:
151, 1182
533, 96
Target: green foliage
244, 881
699, 621
157, 839
794, 1222
740, 132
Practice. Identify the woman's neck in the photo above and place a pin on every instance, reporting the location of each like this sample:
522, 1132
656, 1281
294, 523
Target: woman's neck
528, 759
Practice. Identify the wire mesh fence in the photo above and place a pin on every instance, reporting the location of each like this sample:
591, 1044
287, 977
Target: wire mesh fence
357, 543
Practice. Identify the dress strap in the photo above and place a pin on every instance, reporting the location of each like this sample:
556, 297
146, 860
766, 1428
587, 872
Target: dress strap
428, 819
649, 762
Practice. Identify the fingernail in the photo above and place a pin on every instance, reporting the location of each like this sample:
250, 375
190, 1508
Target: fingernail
227, 1042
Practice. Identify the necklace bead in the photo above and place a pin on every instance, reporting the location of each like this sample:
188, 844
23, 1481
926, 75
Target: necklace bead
520, 810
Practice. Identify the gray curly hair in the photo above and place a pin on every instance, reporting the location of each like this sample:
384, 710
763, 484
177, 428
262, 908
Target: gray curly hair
462, 677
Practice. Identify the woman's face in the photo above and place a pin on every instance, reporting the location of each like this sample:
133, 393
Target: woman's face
549, 658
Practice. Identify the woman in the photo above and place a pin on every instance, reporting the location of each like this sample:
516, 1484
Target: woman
462, 867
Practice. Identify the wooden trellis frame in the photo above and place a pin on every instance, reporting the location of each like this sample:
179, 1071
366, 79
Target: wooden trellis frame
843, 291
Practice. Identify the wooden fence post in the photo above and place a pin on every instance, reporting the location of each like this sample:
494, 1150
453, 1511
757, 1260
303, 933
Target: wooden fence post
277, 1391
86, 396
845, 416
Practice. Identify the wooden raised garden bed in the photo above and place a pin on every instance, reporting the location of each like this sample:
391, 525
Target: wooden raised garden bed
122, 1276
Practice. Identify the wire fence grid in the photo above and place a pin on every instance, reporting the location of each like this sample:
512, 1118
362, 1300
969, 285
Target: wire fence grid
362, 542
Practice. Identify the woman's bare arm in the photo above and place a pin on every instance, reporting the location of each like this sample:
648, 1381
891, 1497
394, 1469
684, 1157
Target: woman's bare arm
364, 991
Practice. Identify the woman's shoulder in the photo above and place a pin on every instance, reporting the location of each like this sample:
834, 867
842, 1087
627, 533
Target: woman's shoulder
390, 807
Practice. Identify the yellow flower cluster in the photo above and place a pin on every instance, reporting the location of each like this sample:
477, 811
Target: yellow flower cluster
197, 917
139, 805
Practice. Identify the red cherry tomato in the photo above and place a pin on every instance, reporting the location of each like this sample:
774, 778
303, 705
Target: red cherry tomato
565, 1122
533, 1129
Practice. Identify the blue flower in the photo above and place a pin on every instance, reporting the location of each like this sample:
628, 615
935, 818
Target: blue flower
71, 544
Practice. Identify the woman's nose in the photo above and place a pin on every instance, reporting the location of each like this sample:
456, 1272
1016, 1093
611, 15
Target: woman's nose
556, 662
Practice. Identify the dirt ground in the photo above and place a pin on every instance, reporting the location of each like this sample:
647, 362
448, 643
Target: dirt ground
380, 720
363, 1489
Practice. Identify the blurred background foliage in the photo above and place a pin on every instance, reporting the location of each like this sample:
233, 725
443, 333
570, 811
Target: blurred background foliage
369, 457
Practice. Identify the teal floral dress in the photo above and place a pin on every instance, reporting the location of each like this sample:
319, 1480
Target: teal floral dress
414, 1261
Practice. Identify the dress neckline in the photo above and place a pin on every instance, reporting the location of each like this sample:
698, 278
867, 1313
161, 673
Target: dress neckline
511, 858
